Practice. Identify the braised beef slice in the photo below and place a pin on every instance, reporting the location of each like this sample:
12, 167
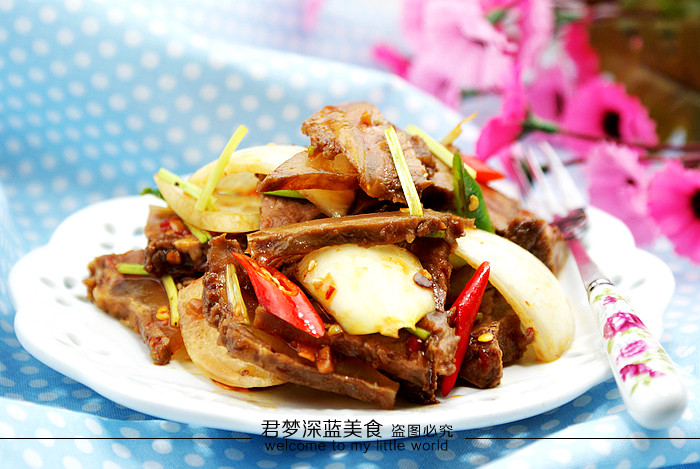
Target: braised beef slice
485, 359
171, 248
134, 300
276, 211
543, 240
483, 363
311, 171
351, 377
299, 239
356, 131
525, 229
416, 368
266, 349
214, 296
439, 195
433, 254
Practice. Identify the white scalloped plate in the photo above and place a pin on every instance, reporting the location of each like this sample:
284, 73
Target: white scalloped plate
58, 325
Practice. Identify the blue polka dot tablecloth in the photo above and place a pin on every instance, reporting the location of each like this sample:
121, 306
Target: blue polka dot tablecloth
96, 95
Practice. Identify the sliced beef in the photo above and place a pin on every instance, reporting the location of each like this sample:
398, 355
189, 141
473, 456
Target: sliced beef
264, 346
311, 171
439, 195
433, 254
367, 229
171, 248
350, 377
494, 344
134, 300
543, 240
414, 363
483, 363
497, 338
276, 211
214, 294
356, 131
525, 229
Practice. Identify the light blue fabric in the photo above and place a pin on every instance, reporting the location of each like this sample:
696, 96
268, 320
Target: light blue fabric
95, 96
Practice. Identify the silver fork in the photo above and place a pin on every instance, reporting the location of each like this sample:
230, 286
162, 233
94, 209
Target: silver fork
649, 382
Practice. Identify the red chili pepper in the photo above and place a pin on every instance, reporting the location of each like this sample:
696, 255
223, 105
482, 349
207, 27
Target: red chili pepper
466, 308
484, 172
282, 297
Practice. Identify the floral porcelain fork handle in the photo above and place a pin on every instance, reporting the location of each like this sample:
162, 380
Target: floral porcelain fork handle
649, 382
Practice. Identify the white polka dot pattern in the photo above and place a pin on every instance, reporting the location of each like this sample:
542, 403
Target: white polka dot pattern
96, 95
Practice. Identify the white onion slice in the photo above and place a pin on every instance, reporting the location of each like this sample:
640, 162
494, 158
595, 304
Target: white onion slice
530, 288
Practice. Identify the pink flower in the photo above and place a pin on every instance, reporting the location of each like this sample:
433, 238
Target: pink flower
633, 348
618, 183
536, 25
578, 47
674, 202
501, 131
620, 322
392, 58
456, 48
549, 93
412, 22
601, 109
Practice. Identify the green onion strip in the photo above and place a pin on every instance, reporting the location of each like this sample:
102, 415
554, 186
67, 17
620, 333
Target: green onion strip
419, 332
201, 235
456, 131
129, 268
437, 148
171, 291
235, 297
186, 186
409, 188
213, 179
290, 193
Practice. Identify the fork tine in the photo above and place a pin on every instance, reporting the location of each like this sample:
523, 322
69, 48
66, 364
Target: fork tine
544, 194
521, 179
573, 198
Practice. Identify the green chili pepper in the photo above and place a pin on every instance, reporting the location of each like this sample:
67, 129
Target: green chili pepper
468, 196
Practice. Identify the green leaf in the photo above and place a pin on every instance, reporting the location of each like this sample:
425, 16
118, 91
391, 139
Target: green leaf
152, 191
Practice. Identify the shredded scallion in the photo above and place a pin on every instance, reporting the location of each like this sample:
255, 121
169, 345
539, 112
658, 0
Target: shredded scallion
439, 234
235, 297
419, 332
437, 148
286, 193
171, 291
456, 132
201, 235
213, 179
409, 188
186, 186
129, 268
